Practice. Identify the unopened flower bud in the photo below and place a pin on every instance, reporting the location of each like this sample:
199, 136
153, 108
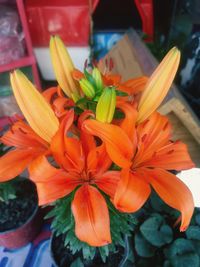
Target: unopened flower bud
87, 88
106, 105
96, 74
63, 67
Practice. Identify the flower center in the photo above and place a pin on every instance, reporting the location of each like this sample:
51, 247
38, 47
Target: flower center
86, 177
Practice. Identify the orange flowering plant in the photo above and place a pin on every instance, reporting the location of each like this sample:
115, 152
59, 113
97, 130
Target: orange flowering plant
95, 147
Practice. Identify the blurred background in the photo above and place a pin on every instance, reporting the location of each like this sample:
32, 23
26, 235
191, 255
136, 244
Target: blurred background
90, 28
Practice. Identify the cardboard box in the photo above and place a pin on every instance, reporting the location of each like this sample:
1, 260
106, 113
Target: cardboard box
131, 58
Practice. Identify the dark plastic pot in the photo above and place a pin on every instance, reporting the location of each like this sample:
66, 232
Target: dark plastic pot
22, 235
122, 258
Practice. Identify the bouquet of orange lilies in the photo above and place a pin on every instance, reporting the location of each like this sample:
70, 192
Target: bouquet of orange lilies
95, 147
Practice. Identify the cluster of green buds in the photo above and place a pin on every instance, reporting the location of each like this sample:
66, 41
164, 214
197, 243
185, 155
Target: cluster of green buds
105, 96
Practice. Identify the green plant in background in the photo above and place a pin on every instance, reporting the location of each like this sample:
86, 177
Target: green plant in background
7, 189
157, 242
180, 29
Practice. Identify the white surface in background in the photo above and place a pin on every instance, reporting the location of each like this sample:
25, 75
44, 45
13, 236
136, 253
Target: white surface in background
192, 179
78, 55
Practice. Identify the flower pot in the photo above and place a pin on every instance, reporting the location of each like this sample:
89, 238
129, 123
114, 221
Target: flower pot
62, 257
25, 219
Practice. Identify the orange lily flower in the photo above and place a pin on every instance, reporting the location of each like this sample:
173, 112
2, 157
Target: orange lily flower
59, 103
82, 165
29, 142
145, 154
28, 146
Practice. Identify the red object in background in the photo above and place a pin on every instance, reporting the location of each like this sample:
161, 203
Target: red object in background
145, 8
70, 19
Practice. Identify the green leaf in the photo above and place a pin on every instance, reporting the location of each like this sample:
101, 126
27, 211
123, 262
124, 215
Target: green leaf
167, 233
81, 101
104, 252
180, 246
143, 247
8, 191
77, 263
155, 232
197, 218
193, 232
158, 204
185, 260
196, 245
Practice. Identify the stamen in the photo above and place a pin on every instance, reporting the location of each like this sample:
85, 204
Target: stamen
111, 64
86, 64
10, 120
106, 62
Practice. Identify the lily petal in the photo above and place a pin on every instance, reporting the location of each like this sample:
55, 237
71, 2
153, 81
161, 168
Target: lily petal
51, 183
92, 224
36, 110
174, 192
108, 182
174, 156
22, 136
133, 86
49, 94
67, 151
42, 171
52, 191
132, 192
118, 145
98, 160
153, 134
14, 163
158, 85
63, 67
61, 104
111, 79
128, 123
87, 140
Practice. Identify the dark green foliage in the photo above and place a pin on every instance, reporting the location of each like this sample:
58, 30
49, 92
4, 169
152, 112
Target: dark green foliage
182, 254
63, 223
143, 247
7, 189
156, 231
158, 243
77, 263
193, 232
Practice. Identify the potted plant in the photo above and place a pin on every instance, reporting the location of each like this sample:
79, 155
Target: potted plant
99, 148
20, 219
157, 241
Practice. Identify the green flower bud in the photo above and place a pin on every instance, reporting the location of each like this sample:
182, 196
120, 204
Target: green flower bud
87, 88
98, 79
106, 105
